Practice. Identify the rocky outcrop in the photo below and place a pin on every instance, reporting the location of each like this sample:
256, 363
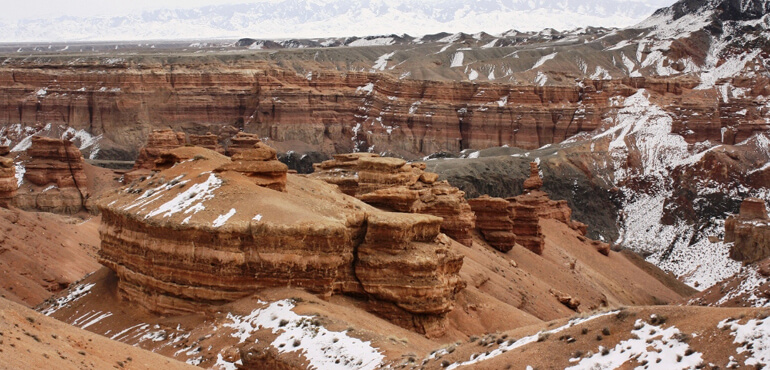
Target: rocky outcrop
240, 142
394, 184
8, 182
261, 165
494, 219
54, 180
749, 231
158, 141
408, 247
211, 230
208, 141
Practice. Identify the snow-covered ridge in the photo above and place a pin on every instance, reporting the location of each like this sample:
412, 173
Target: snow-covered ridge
312, 18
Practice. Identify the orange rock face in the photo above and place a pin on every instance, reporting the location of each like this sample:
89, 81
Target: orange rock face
494, 219
8, 182
261, 165
204, 232
394, 184
208, 141
749, 232
54, 180
240, 142
158, 142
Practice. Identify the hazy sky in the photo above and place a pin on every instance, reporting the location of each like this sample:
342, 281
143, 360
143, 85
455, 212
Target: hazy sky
20, 9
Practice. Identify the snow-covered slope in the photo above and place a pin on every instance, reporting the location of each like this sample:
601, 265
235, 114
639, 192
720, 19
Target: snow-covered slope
313, 18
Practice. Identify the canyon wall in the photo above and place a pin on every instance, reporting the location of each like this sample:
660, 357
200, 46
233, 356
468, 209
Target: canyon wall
327, 112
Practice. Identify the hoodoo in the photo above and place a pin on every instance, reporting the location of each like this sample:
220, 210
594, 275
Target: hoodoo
212, 230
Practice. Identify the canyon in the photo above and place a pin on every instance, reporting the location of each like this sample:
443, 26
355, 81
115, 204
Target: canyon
589, 198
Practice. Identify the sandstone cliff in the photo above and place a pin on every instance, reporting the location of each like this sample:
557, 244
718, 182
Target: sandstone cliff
494, 219
54, 179
394, 184
8, 182
212, 230
749, 231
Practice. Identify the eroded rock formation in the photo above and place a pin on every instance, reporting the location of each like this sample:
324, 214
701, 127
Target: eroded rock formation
394, 184
205, 232
158, 142
749, 231
240, 142
8, 182
54, 180
261, 165
208, 141
494, 219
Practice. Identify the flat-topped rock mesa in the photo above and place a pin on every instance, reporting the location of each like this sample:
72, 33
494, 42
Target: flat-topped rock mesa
8, 182
54, 179
395, 185
749, 231
494, 220
207, 231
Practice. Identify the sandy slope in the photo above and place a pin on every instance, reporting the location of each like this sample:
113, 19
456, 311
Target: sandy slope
29, 340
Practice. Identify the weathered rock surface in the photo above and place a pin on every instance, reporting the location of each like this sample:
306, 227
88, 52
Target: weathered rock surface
240, 142
158, 142
749, 231
494, 219
205, 232
261, 165
208, 141
394, 184
8, 182
54, 179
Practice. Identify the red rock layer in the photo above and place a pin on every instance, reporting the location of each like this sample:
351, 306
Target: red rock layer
8, 182
261, 165
310, 236
394, 184
158, 142
240, 142
408, 247
494, 219
125, 100
54, 180
208, 141
749, 232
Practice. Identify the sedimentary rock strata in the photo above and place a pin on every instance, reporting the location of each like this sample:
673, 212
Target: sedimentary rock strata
261, 165
394, 184
54, 180
494, 219
749, 231
206, 231
208, 141
158, 142
8, 182
240, 142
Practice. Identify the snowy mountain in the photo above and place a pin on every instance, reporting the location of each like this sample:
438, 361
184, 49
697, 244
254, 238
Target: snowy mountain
313, 18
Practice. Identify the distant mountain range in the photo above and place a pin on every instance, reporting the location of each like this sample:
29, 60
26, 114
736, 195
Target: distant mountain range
313, 18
